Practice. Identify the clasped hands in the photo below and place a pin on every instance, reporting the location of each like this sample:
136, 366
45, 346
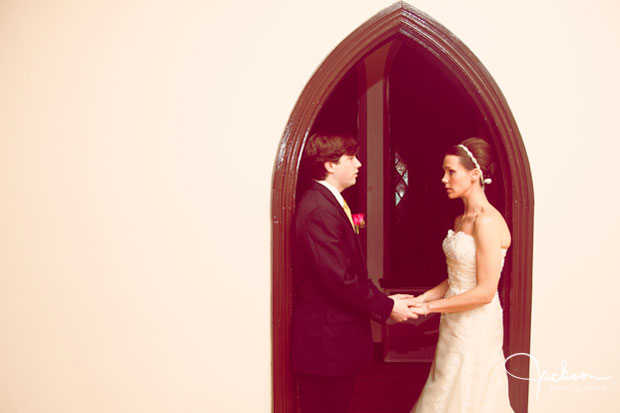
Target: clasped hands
407, 306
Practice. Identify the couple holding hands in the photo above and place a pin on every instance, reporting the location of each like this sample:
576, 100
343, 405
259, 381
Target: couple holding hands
335, 299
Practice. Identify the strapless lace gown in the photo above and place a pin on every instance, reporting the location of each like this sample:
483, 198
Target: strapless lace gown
467, 374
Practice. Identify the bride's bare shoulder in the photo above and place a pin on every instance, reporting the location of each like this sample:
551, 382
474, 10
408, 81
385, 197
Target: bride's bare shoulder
492, 221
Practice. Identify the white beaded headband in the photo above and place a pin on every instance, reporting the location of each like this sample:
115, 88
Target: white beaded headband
473, 159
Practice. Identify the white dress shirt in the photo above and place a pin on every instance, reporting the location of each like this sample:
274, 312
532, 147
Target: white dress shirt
334, 191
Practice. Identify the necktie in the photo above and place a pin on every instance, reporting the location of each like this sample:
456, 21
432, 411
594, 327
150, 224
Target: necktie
347, 211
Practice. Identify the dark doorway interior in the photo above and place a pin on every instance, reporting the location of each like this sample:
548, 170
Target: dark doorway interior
425, 113
428, 112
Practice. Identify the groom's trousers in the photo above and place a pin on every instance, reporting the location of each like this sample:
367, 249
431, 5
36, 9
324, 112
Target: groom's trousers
325, 394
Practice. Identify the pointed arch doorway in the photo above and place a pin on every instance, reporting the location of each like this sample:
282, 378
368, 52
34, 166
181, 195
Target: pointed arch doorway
406, 79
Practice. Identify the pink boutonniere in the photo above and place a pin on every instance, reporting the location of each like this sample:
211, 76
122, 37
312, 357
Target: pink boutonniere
359, 221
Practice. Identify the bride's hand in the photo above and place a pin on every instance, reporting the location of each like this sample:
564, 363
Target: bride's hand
420, 308
408, 299
420, 298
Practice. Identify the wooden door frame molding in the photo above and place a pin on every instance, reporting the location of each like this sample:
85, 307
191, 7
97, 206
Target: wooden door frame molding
403, 21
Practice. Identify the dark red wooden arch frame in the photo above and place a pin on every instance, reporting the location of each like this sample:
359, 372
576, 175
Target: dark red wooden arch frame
405, 22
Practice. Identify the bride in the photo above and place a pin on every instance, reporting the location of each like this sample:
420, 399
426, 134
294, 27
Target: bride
467, 374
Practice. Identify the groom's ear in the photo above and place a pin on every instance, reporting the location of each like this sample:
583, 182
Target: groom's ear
329, 166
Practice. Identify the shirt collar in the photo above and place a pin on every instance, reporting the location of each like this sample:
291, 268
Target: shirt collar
334, 191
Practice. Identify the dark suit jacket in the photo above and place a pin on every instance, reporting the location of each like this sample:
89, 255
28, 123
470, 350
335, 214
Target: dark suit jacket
334, 298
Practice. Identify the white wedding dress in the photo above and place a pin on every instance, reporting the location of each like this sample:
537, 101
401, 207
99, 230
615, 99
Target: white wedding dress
467, 374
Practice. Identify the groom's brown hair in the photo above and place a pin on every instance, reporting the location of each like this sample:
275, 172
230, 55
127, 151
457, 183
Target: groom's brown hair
326, 147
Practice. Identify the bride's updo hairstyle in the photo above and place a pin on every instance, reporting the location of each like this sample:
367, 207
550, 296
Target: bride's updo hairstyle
480, 152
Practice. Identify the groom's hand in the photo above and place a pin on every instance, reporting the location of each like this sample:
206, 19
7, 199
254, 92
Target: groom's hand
401, 311
401, 296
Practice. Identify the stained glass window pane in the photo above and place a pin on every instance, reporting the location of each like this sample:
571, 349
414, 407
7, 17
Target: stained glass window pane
401, 177
401, 188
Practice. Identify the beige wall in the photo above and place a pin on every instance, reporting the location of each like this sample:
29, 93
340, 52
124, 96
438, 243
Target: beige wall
137, 141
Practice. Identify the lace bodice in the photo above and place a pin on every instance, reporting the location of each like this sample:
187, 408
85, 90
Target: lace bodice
460, 250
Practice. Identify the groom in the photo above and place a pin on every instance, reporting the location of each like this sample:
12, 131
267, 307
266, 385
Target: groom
334, 298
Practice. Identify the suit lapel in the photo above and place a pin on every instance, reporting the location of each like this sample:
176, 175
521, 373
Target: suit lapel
330, 197
360, 250
332, 200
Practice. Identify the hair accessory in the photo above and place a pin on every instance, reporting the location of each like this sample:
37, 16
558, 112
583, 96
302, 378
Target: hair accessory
473, 159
